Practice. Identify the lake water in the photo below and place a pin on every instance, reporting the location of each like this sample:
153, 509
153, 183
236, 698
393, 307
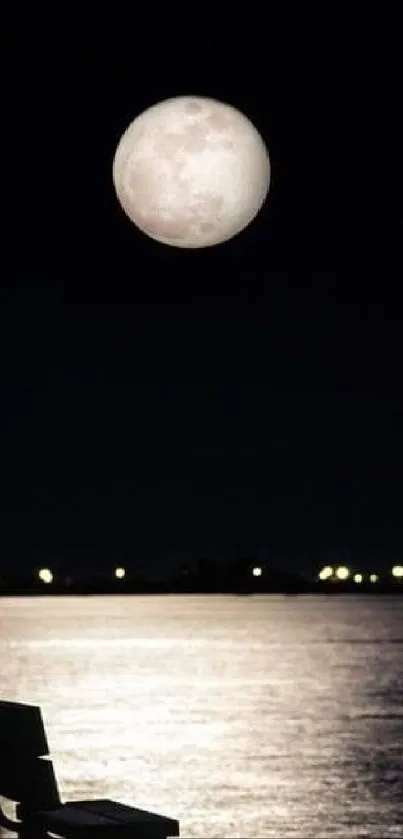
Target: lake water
256, 716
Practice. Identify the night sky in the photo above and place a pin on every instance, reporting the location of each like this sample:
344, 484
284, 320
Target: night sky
246, 398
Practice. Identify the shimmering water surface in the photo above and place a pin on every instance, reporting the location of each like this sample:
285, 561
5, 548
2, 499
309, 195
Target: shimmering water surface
241, 716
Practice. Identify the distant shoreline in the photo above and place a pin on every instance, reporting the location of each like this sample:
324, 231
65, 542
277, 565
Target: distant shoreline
159, 591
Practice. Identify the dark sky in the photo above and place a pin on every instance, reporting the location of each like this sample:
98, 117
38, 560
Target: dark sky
246, 397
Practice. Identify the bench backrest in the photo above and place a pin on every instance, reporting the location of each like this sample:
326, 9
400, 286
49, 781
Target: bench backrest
26, 776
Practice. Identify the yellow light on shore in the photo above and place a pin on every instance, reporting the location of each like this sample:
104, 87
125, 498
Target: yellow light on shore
45, 575
120, 573
342, 573
357, 578
326, 573
257, 572
374, 578
397, 571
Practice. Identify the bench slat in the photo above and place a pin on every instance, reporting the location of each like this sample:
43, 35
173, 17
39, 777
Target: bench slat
32, 782
22, 730
74, 823
155, 824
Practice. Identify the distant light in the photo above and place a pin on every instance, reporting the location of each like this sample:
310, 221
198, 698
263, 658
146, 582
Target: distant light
374, 578
357, 578
342, 573
257, 572
397, 571
120, 573
45, 575
326, 572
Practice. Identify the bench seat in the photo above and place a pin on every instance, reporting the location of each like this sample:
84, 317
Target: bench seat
27, 777
81, 819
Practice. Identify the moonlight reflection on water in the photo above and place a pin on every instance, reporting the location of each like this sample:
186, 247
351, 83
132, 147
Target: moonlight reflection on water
264, 716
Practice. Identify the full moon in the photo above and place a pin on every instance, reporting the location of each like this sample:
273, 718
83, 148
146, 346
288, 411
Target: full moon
191, 172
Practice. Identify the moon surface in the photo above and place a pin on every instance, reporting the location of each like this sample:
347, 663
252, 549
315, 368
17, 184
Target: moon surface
191, 172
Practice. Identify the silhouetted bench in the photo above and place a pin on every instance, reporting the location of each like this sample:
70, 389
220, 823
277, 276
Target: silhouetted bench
27, 778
